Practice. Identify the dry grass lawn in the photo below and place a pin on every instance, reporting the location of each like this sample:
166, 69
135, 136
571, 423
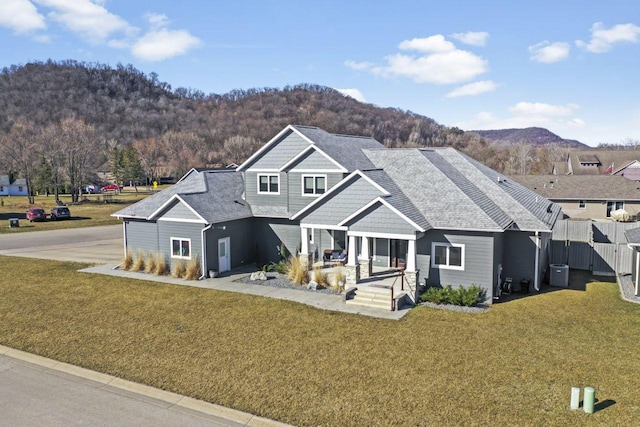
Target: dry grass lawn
91, 212
513, 365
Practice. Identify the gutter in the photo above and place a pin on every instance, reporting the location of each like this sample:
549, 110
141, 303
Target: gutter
204, 246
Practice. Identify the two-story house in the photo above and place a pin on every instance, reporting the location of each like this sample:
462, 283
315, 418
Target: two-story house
434, 212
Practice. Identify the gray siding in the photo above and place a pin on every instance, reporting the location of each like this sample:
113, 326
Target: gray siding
296, 200
381, 253
342, 204
281, 152
252, 196
179, 211
241, 242
380, 219
142, 235
314, 160
270, 233
478, 262
518, 256
184, 230
498, 250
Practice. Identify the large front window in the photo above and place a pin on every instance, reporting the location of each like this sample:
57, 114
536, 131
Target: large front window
180, 248
447, 255
312, 185
269, 184
614, 206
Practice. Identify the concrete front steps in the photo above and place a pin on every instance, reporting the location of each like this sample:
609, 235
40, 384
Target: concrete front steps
373, 297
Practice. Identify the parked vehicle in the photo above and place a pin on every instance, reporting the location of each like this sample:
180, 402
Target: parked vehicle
60, 212
111, 187
36, 214
92, 189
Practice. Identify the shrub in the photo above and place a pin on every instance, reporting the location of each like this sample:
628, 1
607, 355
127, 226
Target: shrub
127, 262
150, 266
192, 270
138, 265
462, 296
296, 271
162, 269
339, 276
279, 267
179, 268
318, 277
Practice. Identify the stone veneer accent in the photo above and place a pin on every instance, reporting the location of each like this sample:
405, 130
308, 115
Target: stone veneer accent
412, 279
306, 260
366, 267
353, 275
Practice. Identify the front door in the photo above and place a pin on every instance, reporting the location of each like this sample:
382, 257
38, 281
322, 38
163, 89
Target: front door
398, 250
224, 258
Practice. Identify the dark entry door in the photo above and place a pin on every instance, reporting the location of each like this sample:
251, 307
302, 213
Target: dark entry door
398, 251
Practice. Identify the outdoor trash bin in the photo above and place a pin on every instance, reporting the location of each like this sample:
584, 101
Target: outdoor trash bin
14, 222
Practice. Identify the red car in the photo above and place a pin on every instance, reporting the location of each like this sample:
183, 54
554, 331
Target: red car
36, 214
110, 187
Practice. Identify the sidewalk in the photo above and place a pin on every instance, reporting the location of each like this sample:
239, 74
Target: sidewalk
226, 282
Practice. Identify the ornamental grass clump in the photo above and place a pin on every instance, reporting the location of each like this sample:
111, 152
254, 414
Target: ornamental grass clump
150, 266
138, 264
296, 271
179, 269
127, 262
162, 269
340, 278
192, 270
319, 277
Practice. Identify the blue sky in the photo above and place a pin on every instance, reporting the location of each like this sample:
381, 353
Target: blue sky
569, 66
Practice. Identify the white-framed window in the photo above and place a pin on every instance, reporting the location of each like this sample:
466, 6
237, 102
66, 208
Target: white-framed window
180, 248
613, 206
447, 256
582, 204
268, 184
20, 188
314, 185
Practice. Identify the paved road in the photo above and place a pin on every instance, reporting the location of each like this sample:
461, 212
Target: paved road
99, 245
32, 395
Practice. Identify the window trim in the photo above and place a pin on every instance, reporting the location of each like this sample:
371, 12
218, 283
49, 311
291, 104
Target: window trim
582, 204
447, 266
180, 239
614, 206
269, 176
315, 188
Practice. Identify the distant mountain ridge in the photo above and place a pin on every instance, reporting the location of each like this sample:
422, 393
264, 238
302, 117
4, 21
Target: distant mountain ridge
533, 135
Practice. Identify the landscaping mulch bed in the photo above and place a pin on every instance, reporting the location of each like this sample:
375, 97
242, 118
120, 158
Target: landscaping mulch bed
278, 280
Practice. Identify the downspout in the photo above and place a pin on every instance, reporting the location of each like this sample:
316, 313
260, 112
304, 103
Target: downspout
204, 247
536, 277
124, 239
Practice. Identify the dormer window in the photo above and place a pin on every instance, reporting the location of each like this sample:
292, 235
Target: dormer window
268, 184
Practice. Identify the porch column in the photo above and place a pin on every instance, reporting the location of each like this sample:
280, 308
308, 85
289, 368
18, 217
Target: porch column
366, 268
306, 259
352, 255
411, 256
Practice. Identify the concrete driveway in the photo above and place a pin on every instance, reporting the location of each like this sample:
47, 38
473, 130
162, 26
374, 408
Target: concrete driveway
100, 245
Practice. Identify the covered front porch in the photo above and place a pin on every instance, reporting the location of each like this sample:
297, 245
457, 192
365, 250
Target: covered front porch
374, 264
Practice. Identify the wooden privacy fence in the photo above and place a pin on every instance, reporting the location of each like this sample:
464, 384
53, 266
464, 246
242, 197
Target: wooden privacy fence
597, 246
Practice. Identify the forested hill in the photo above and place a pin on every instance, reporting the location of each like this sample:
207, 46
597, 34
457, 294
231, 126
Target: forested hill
125, 104
532, 135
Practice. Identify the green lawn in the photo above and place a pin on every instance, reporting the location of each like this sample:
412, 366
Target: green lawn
513, 365
91, 212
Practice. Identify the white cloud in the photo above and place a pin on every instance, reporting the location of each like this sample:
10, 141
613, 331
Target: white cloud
475, 88
358, 65
529, 114
353, 93
440, 63
473, 38
88, 19
602, 39
157, 20
547, 53
20, 16
158, 45
433, 44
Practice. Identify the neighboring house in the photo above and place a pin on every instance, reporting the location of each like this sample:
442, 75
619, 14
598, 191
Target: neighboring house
586, 197
600, 162
16, 187
438, 214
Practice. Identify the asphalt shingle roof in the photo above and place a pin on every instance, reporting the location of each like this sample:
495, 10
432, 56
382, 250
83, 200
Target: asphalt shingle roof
345, 149
581, 187
633, 235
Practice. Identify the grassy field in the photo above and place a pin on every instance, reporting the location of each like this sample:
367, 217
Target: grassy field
513, 365
92, 211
